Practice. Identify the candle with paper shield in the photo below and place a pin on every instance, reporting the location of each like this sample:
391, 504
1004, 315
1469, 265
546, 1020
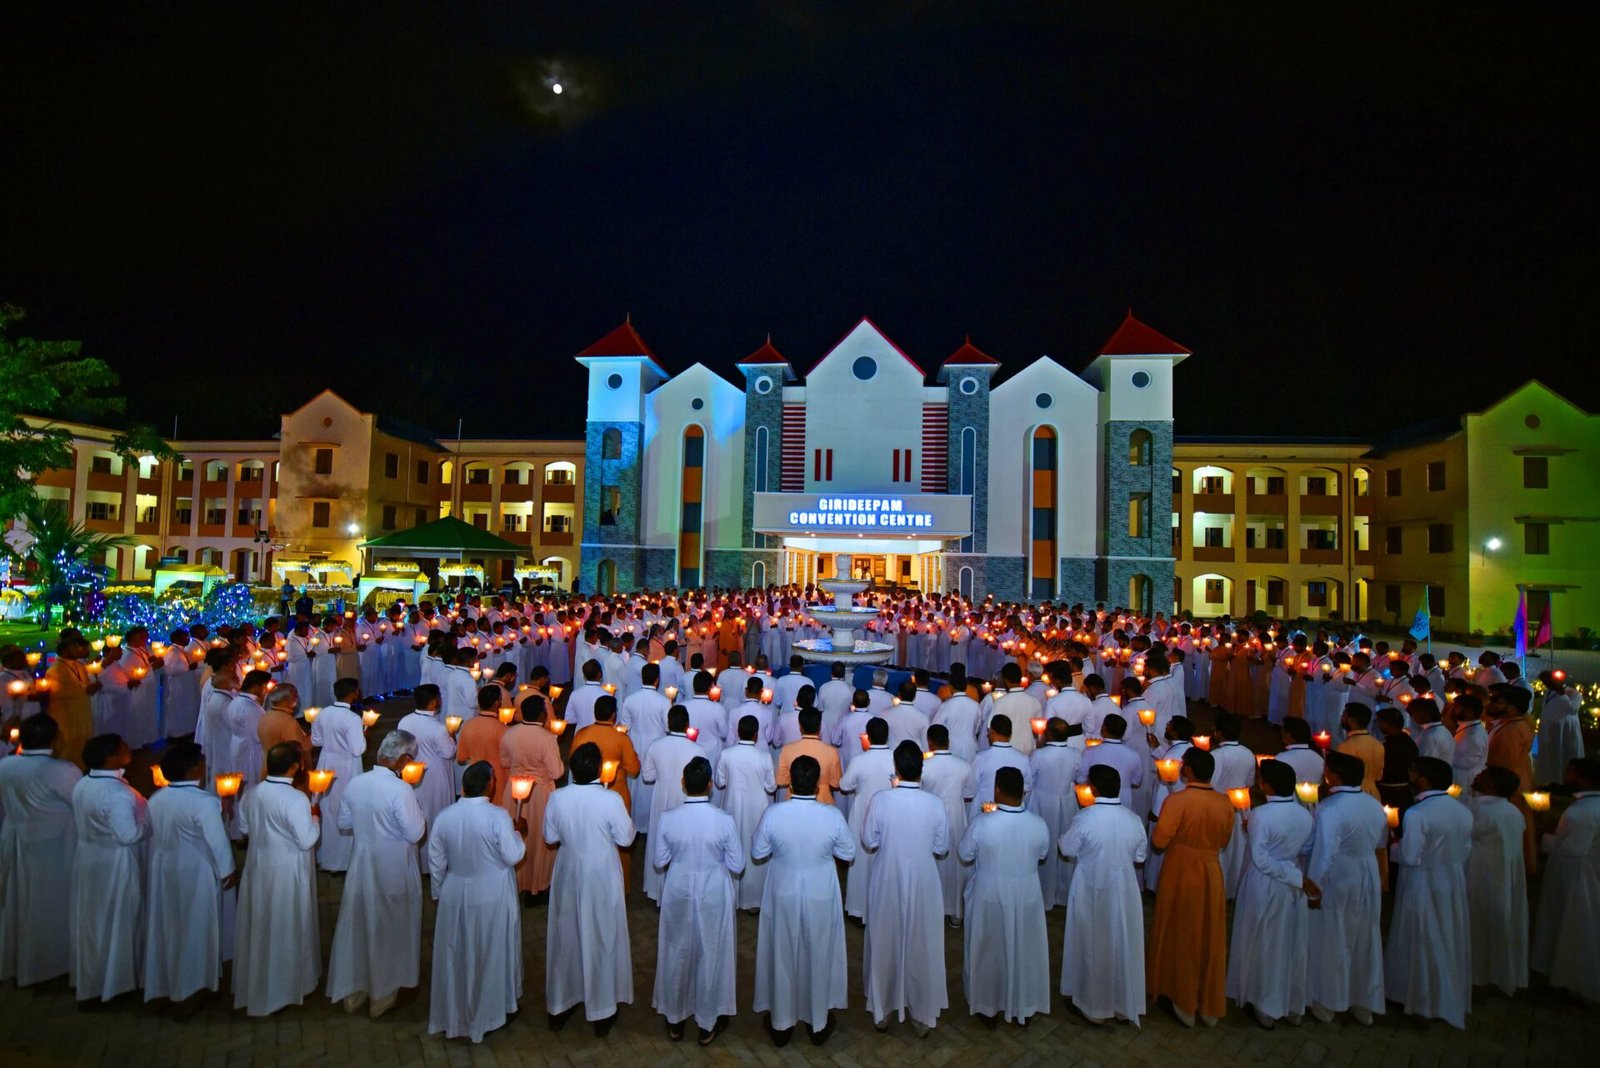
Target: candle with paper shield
369, 718
521, 788
608, 771
1392, 814
311, 714
1240, 798
1085, 795
507, 714
1168, 768
228, 783
1307, 792
1201, 741
557, 726
1538, 801
157, 776
412, 772
452, 724
319, 780
1147, 716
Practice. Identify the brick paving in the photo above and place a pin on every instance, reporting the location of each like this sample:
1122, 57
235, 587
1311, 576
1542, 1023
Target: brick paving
41, 1025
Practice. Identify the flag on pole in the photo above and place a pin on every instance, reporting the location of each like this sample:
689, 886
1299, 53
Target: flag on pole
1420, 628
1545, 635
1519, 626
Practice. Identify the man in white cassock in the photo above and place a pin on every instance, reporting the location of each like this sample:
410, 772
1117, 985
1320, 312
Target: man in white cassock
377, 941
800, 953
1566, 935
1235, 769
243, 744
903, 951
1497, 883
1102, 956
477, 929
436, 747
1055, 766
191, 868
701, 850
1271, 923
1345, 940
961, 716
1005, 963
1000, 754
277, 955
868, 775
662, 768
746, 782
586, 948
950, 779
341, 741
644, 713
37, 848
1428, 966
180, 688
108, 874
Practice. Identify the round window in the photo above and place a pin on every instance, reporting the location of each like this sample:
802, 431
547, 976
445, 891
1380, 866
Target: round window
1044, 400
697, 403
1532, 422
615, 382
763, 384
1141, 379
969, 386
864, 367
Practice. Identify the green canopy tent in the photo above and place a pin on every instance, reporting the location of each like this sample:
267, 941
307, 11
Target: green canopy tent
446, 540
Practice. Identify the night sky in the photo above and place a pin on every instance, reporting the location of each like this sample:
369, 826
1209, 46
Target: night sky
1355, 219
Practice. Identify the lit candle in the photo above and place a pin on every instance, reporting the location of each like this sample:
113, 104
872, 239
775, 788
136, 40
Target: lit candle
1090, 743
692, 733
228, 783
1168, 768
1038, 723
610, 688
1538, 801
555, 692
507, 714
557, 726
715, 693
1306, 792
521, 787
369, 717
452, 723
988, 687
1454, 789
608, 771
158, 648
18, 687
113, 640
156, 775
319, 780
927, 754
1393, 815
1085, 795
95, 667
1240, 797
476, 673
1050, 692
311, 714
672, 693
865, 744
1323, 739
1147, 716
1201, 741
989, 806
97, 645
412, 772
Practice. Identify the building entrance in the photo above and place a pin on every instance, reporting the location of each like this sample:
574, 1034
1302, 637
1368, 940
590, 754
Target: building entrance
805, 561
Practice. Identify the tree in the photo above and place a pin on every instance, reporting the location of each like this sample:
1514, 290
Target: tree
49, 379
65, 561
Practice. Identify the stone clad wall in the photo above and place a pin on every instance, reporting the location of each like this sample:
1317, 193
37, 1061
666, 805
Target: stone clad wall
617, 542
1151, 554
761, 409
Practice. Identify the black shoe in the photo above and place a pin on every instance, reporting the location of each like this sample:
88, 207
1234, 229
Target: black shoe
820, 1036
779, 1038
675, 1030
708, 1037
558, 1020
541, 898
527, 899
991, 1022
602, 1028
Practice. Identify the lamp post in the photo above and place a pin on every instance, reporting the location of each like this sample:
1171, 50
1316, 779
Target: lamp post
1491, 544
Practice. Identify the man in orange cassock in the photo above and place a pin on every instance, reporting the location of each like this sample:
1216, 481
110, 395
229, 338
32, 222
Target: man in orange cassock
614, 745
1188, 956
528, 749
809, 744
479, 737
1510, 733
1359, 743
730, 639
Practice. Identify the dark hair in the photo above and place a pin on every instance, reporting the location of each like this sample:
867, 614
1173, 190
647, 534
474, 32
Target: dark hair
1201, 764
1435, 772
1347, 768
476, 779
533, 708
877, 730
1279, 776
859, 699
255, 678
938, 736
697, 776
810, 720
748, 726
591, 670
281, 757
584, 763
1230, 725
39, 731
803, 776
1359, 714
1105, 780
1297, 730
701, 683
650, 674
426, 694
179, 760
1000, 723
99, 749
908, 761
1008, 782
345, 689
806, 696
605, 708
1391, 717
488, 697
677, 719
1113, 726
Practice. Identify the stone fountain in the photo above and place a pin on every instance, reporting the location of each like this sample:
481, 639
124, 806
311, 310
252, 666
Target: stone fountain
843, 620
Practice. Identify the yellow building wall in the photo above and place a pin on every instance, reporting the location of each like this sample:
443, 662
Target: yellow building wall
1399, 578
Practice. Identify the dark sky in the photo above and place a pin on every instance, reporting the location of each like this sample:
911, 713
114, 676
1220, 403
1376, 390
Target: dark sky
237, 210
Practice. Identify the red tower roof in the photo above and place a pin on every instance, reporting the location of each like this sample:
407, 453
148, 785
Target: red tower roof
767, 354
623, 341
1134, 338
969, 354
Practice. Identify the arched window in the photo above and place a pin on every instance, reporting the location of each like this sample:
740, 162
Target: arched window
691, 521
606, 578
761, 459
1141, 591
560, 473
964, 582
1042, 567
1139, 448
758, 575
611, 444
968, 477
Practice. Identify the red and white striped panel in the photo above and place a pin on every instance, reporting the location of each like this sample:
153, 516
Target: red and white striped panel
935, 448
793, 479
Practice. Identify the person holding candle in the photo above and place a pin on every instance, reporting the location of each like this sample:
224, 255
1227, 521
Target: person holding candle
834, 698
1267, 959
377, 941
847, 734
325, 668
708, 716
108, 874
477, 929
277, 954
1560, 730
644, 713
746, 782
1566, 933
1470, 754
369, 651
617, 753
951, 780
479, 738
809, 743
143, 666
530, 749
662, 768
699, 848
278, 725
38, 845
1359, 743
907, 722
71, 687
1103, 944
1115, 752
1055, 765
1298, 751
243, 751
1510, 732
436, 748
1497, 883
999, 754
180, 688
112, 707
868, 774
586, 947
1428, 964
1019, 706
191, 886
1188, 934
1350, 832
1399, 755
302, 656
341, 743
1432, 737
801, 974
755, 707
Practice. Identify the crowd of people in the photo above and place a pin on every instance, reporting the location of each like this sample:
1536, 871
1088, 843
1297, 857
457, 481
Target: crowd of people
1019, 759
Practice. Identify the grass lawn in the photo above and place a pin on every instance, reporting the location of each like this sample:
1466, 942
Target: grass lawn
27, 633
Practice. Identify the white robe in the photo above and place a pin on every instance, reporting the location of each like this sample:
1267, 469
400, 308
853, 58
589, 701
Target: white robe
278, 951
1102, 956
902, 962
868, 775
700, 849
342, 741
746, 781
1346, 954
108, 875
180, 694
1428, 965
437, 749
1271, 922
950, 779
644, 713
662, 768
800, 951
38, 845
991, 760
1566, 936
1497, 895
1560, 737
477, 929
189, 857
1235, 769
1005, 963
586, 948
1055, 767
377, 941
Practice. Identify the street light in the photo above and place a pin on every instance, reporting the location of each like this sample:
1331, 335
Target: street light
1492, 545
353, 529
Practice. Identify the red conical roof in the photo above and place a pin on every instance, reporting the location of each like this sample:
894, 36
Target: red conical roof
766, 354
969, 354
623, 341
1134, 338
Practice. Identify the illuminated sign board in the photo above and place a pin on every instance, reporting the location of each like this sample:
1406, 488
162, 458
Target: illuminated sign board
926, 515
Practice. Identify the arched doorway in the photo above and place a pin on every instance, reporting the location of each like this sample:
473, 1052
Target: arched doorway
606, 578
1141, 594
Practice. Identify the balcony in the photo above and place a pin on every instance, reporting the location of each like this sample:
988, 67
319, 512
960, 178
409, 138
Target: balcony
481, 492
214, 487
513, 491
1267, 503
1266, 556
149, 486
150, 527
1213, 502
109, 483
212, 530
551, 537
1210, 554
1321, 556
1363, 505
103, 526
560, 492
1365, 557
1320, 504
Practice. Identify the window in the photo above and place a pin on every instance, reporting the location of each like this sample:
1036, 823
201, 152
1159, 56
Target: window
186, 472
321, 513
514, 476
1214, 591
559, 474
1391, 597
100, 465
694, 450
1213, 538
1274, 486
422, 472
1139, 447
216, 517
389, 516
1044, 522
901, 466
1275, 588
419, 516
1536, 539
1277, 538
478, 476
480, 520
762, 459
184, 512
1392, 482
1436, 601
1326, 540
511, 522
1044, 452
691, 517
1213, 484
391, 465
101, 510
322, 462
610, 505
147, 515
1316, 595
611, 444
822, 465
1535, 472
1393, 543
1316, 486
1177, 482
558, 524
1435, 476
248, 515
1139, 515
1440, 538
